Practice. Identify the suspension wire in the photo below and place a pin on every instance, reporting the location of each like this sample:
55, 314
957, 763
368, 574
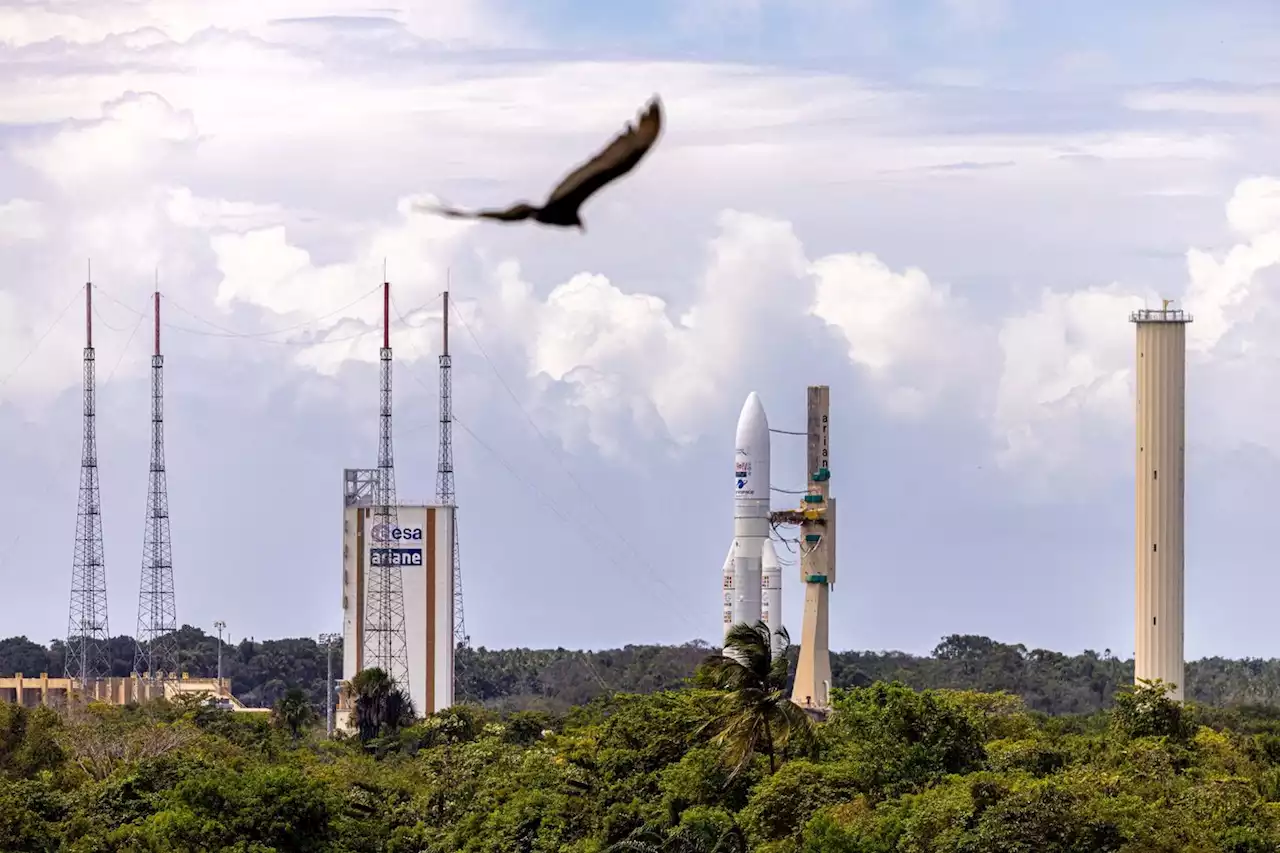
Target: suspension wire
559, 457
259, 337
124, 350
35, 346
786, 431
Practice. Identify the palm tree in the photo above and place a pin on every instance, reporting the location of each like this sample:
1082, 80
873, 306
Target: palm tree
294, 712
382, 706
755, 712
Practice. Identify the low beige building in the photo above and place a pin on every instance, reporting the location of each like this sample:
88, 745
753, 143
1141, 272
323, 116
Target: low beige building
34, 691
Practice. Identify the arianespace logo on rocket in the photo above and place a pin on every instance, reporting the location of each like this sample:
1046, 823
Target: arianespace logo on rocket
385, 556
742, 473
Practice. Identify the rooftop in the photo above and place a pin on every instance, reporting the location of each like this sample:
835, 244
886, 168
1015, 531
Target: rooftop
1160, 315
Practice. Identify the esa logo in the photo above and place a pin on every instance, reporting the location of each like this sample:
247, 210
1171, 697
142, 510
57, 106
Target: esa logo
387, 533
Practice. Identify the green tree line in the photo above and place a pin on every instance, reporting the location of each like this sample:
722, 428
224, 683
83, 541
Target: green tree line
723, 765
556, 679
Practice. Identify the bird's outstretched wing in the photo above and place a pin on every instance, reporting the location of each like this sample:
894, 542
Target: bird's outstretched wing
618, 158
514, 213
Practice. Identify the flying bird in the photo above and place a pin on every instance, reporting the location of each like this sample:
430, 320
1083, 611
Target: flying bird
561, 208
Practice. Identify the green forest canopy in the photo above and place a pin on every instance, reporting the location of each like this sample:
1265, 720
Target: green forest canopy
556, 679
892, 769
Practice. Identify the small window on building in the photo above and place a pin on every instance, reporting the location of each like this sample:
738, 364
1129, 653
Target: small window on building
1155, 475
1153, 620
1153, 546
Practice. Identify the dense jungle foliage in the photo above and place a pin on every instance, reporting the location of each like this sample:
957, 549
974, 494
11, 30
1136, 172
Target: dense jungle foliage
723, 764
557, 679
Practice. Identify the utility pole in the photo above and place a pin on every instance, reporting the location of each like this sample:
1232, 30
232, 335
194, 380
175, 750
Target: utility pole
328, 640
221, 626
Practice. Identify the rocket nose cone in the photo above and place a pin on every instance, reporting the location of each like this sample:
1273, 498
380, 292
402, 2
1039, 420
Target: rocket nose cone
752, 413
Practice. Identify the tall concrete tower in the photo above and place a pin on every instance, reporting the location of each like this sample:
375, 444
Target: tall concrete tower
1159, 600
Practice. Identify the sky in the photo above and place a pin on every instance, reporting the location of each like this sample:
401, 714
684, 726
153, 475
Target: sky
943, 209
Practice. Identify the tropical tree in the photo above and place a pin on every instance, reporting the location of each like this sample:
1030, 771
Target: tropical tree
755, 712
293, 712
1147, 709
683, 839
382, 706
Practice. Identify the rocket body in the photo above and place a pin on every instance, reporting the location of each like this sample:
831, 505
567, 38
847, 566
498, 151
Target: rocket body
750, 511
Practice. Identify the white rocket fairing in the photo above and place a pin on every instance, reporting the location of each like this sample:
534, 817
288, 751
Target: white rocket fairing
743, 569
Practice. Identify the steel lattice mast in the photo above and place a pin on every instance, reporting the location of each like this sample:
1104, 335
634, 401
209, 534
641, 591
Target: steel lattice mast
444, 475
384, 636
87, 633
156, 651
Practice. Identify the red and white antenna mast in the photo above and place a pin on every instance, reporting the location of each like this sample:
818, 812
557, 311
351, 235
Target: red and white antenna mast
445, 493
87, 631
385, 643
155, 653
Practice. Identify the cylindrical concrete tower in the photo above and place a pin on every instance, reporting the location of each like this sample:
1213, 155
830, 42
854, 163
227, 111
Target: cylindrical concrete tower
1161, 429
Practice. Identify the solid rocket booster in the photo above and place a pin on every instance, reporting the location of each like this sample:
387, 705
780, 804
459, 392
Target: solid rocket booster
750, 510
727, 573
771, 593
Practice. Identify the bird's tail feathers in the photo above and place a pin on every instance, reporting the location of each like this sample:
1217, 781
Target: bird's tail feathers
438, 209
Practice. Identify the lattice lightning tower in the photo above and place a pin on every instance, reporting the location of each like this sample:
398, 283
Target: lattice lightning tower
87, 633
445, 494
156, 650
384, 637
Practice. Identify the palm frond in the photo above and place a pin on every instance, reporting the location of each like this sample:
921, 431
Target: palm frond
733, 840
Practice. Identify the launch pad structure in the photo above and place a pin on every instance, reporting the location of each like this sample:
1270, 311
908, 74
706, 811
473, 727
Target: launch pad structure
816, 518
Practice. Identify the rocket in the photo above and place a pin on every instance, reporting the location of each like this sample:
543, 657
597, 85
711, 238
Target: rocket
752, 592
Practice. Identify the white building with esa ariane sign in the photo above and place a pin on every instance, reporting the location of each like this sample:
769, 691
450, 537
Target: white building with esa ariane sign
421, 543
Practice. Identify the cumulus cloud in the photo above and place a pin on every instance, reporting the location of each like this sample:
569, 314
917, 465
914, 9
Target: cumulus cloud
630, 361
1066, 388
21, 219
627, 354
914, 338
209, 214
262, 268
1066, 380
1222, 291
139, 136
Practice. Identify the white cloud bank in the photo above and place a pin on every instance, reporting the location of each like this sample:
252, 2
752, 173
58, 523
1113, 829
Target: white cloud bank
1067, 385
128, 159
